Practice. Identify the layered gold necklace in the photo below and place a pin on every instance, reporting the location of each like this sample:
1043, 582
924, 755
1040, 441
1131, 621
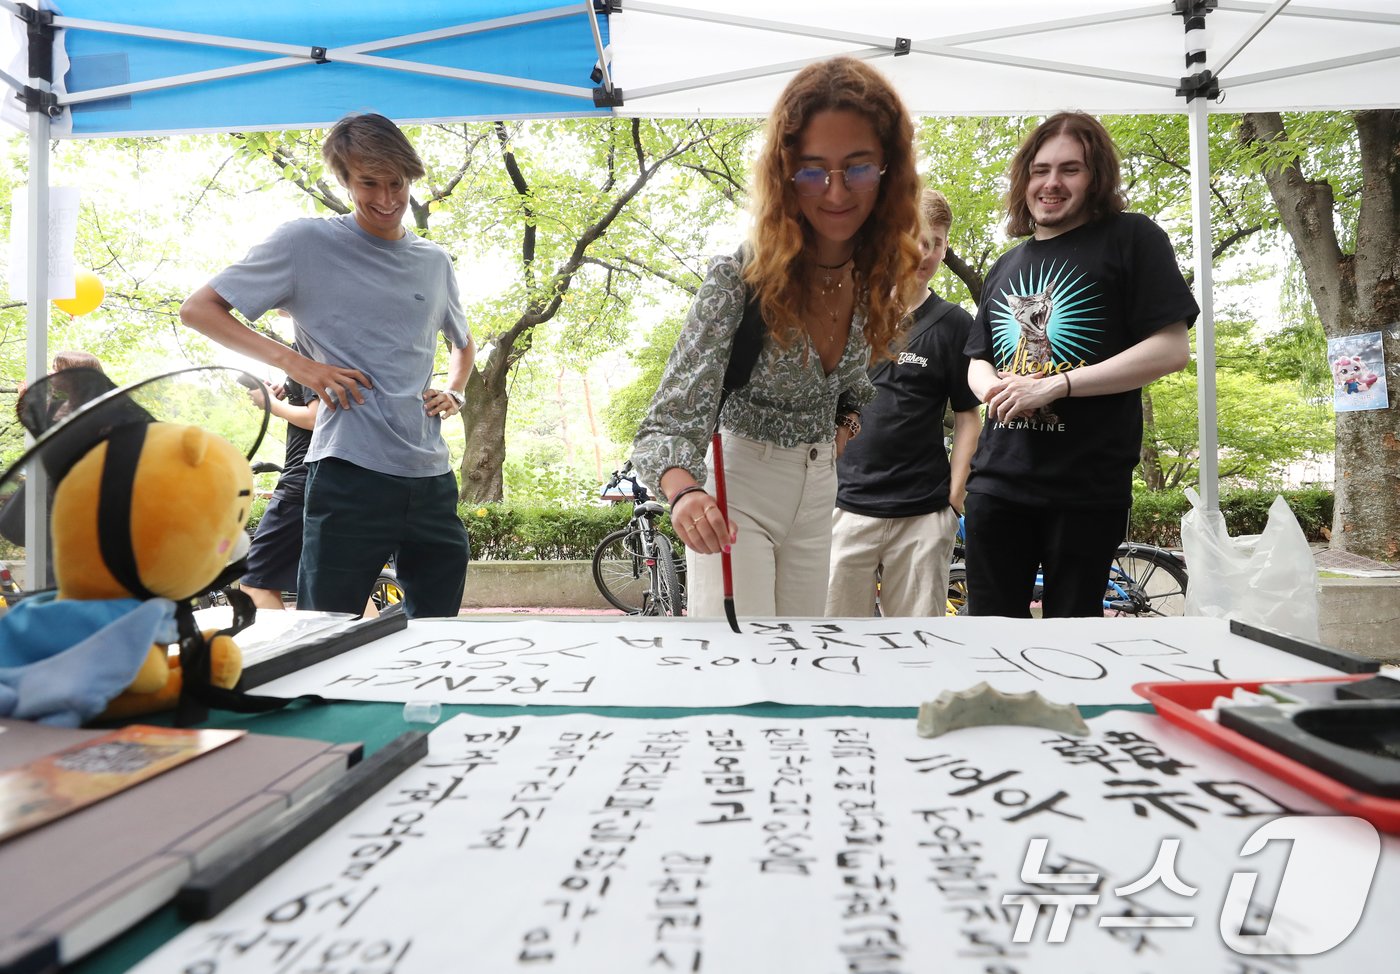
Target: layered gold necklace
831, 280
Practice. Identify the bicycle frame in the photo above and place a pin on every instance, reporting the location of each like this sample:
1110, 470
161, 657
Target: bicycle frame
644, 523
644, 554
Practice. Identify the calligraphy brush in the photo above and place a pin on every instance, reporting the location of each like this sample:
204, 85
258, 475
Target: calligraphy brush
724, 559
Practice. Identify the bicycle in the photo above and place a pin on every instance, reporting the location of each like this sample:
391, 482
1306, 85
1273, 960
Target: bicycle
634, 567
1143, 580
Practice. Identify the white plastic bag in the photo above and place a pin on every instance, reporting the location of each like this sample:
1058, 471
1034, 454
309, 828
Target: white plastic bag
1268, 580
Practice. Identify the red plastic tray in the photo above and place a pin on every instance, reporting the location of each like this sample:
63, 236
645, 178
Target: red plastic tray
1180, 703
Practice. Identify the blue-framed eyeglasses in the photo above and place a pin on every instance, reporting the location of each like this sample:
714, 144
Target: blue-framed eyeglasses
814, 180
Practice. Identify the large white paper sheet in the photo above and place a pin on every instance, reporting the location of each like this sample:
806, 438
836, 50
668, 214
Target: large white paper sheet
736, 844
838, 662
63, 230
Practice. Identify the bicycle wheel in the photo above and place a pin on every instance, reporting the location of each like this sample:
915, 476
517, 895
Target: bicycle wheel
619, 571
667, 600
387, 592
957, 591
1145, 581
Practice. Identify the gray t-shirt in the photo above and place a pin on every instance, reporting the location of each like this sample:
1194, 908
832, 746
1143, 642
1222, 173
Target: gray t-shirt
363, 303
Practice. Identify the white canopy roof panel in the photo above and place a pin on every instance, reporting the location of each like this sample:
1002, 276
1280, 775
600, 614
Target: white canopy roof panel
732, 57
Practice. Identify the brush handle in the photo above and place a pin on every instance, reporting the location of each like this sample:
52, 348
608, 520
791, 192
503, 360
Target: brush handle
721, 497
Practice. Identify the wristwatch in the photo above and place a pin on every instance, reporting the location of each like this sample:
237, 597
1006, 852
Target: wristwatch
457, 397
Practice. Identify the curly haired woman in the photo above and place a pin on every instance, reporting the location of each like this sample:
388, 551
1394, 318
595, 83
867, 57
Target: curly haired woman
830, 260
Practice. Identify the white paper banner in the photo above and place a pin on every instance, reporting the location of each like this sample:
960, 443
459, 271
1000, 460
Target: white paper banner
730, 844
837, 662
63, 231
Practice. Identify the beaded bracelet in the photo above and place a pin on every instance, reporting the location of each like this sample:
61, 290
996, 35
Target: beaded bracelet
683, 491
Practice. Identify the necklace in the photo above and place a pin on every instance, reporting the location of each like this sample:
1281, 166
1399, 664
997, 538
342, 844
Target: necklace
832, 285
827, 270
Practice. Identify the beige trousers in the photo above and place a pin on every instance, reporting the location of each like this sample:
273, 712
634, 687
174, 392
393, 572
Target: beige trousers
914, 553
780, 499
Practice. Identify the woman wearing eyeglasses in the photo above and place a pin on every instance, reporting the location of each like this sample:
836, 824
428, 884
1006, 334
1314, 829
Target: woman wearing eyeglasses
830, 259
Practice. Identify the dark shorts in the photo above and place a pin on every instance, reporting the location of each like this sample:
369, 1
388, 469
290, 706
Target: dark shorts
357, 518
275, 553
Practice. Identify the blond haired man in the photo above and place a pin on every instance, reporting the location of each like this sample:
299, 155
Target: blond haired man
370, 299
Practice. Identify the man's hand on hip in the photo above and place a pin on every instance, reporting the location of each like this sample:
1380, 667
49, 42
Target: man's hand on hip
442, 403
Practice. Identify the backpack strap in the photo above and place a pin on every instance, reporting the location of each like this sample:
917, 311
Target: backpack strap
748, 343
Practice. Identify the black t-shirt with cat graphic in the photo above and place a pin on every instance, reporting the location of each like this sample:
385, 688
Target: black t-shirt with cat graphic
1054, 305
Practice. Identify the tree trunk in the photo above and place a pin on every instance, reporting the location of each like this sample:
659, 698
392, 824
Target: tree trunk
1151, 460
1354, 293
484, 415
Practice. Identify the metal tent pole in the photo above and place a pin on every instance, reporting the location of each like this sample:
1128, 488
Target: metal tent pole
1199, 89
38, 99
1205, 328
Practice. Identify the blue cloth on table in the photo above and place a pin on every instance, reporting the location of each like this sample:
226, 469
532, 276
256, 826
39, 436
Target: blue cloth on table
63, 661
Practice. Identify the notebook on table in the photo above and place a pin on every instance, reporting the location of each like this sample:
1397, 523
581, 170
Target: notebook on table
78, 880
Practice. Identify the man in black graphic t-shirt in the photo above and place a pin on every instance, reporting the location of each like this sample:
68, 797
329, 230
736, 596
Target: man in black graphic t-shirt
1070, 327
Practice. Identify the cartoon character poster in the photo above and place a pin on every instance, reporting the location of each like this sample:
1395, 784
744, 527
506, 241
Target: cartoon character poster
1358, 372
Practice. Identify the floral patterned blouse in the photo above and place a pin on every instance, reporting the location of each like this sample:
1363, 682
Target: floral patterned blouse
789, 400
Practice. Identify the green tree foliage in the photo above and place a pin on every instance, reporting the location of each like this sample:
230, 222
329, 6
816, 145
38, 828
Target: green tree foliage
1263, 427
1297, 351
628, 406
967, 159
569, 223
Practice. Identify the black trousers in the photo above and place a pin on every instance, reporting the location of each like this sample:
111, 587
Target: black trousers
357, 518
1008, 542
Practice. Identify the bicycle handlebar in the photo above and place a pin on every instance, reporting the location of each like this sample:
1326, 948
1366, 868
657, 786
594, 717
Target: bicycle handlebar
639, 493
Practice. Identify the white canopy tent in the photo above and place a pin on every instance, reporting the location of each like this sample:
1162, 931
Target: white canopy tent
81, 70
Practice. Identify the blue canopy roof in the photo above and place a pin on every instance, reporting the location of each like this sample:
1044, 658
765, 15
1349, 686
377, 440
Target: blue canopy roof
507, 58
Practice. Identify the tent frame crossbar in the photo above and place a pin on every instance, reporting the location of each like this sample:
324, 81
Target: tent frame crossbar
1285, 8
1244, 40
300, 55
1037, 64
888, 49
1242, 80
691, 84
874, 46
1317, 13
871, 40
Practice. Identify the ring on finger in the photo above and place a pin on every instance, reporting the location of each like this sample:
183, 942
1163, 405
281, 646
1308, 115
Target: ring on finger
696, 520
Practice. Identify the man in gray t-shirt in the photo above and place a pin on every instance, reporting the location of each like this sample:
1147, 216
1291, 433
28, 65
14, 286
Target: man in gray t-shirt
369, 299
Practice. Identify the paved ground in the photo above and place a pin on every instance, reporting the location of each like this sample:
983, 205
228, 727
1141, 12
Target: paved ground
1330, 560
